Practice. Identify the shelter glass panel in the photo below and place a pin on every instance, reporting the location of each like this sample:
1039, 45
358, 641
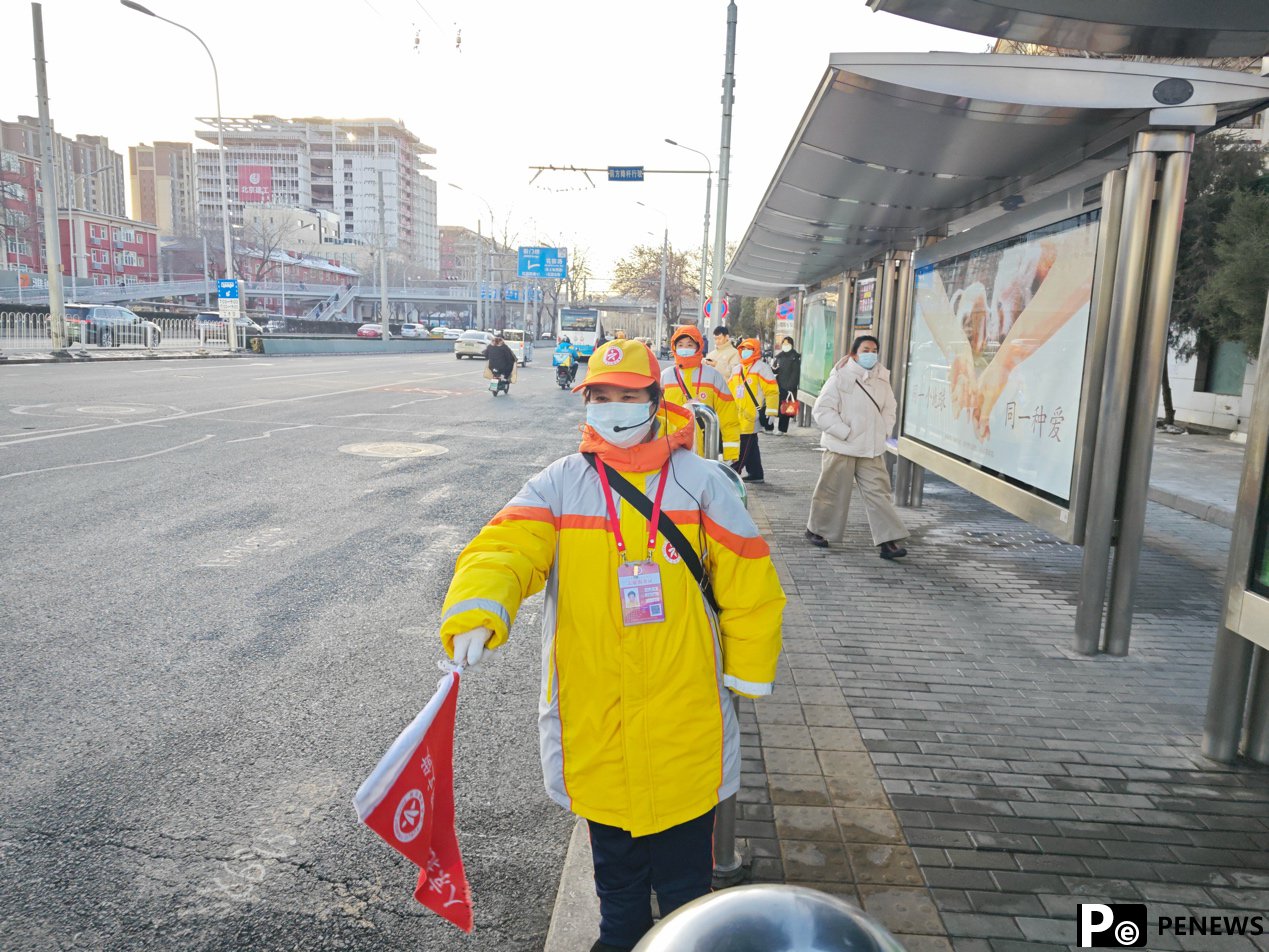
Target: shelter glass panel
819, 333
997, 353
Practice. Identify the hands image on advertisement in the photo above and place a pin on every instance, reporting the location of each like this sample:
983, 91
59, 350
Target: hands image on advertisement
991, 324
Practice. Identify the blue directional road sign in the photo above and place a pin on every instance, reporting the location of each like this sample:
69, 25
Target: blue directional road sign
625, 173
550, 263
227, 289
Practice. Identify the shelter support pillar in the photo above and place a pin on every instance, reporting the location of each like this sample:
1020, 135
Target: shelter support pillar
1175, 149
896, 330
1130, 273
1238, 694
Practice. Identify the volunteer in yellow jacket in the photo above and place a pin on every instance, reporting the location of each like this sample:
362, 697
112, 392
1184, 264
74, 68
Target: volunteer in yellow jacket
753, 385
692, 379
638, 734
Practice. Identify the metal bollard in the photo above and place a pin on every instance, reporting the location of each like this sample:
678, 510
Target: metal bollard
768, 918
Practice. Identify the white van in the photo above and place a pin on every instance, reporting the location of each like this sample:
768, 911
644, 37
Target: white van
521, 344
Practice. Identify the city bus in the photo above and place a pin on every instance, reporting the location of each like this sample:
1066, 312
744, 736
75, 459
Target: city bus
581, 326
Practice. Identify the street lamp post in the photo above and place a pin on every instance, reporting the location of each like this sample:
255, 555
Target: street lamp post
709, 189
220, 148
665, 253
480, 255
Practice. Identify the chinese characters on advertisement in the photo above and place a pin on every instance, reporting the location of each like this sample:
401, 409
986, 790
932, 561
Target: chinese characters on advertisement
255, 183
996, 360
865, 293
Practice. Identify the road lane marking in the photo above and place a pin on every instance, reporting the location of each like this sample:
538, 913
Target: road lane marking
269, 433
104, 462
254, 405
315, 373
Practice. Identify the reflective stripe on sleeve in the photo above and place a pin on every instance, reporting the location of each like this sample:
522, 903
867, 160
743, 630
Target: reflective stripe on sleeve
746, 687
478, 604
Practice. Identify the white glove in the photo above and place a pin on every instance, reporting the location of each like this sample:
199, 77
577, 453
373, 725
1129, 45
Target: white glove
469, 647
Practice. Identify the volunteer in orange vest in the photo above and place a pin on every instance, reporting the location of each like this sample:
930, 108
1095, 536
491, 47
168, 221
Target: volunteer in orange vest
753, 386
638, 732
692, 379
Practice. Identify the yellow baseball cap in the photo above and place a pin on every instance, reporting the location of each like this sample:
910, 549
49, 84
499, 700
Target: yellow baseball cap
621, 363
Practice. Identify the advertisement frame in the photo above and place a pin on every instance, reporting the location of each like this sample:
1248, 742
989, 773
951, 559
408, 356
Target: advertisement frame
834, 292
874, 285
1066, 522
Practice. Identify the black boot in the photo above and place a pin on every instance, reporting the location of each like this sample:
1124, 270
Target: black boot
892, 550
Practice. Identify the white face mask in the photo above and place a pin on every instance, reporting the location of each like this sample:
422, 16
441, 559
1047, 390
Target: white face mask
786, 347
866, 360
746, 354
685, 351
621, 424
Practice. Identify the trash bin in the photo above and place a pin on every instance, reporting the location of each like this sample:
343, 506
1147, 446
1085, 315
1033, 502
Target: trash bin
768, 918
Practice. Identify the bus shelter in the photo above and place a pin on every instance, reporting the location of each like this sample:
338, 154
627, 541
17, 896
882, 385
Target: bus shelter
1008, 227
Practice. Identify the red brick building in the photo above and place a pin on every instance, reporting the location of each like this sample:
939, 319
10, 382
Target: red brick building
20, 245
110, 250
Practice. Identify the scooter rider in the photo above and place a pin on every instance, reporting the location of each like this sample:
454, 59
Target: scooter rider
637, 732
566, 346
692, 379
502, 359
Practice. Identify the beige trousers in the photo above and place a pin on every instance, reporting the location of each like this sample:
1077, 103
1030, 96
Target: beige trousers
830, 503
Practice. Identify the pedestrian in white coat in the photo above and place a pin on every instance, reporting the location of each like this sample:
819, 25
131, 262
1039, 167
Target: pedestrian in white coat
856, 410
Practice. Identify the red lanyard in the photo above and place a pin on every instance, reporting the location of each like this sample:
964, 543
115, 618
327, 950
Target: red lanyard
683, 384
614, 522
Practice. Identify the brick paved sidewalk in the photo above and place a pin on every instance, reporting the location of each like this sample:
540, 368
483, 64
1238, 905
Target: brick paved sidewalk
935, 752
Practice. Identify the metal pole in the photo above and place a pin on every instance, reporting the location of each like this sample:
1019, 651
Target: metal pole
1125, 309
1232, 661
1227, 695
52, 233
665, 251
74, 246
1257, 748
724, 157
480, 277
709, 188
383, 262
284, 286
1151, 353
206, 276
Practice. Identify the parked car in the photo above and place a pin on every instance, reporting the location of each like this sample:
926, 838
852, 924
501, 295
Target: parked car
453, 333
107, 325
472, 344
374, 331
413, 331
274, 327
211, 325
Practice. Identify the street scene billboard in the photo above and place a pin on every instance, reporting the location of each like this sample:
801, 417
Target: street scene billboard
865, 297
786, 318
255, 183
996, 354
819, 328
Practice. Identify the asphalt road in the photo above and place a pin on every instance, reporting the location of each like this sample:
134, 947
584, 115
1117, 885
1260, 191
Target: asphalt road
215, 619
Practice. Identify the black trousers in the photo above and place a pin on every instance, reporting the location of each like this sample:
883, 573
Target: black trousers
750, 461
785, 420
678, 863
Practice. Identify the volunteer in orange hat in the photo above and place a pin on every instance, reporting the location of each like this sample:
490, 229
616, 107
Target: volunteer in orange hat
635, 540
754, 387
692, 379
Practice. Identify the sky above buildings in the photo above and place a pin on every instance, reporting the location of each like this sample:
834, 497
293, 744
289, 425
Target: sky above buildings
495, 86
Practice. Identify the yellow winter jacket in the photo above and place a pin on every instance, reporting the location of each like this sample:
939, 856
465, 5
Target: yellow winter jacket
637, 729
706, 385
762, 390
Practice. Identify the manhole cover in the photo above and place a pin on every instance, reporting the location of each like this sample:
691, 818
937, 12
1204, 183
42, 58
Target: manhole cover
393, 450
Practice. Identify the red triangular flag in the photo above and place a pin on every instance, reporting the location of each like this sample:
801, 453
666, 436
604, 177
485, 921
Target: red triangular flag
408, 799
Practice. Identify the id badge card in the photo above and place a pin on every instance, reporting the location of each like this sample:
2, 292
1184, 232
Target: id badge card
642, 601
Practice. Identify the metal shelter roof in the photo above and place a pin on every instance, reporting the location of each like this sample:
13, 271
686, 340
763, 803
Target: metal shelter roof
898, 145
1206, 28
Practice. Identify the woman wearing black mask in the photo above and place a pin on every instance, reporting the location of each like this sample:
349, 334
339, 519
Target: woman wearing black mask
788, 370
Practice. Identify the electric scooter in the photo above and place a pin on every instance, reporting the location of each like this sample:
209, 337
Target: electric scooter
500, 384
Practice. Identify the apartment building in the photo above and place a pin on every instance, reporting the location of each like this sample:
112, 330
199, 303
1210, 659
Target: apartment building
88, 171
108, 250
330, 165
20, 247
163, 186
